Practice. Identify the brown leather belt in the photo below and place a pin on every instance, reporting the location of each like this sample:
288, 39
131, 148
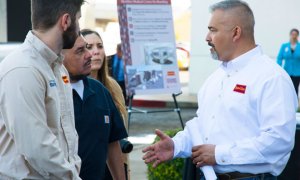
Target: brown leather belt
237, 176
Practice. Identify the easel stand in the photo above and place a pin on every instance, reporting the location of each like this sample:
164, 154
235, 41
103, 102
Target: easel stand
137, 110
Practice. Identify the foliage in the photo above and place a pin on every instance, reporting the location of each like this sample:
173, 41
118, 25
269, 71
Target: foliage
172, 170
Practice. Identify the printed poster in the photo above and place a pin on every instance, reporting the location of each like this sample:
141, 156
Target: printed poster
148, 45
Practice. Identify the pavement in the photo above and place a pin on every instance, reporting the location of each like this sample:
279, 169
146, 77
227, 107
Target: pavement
138, 169
142, 126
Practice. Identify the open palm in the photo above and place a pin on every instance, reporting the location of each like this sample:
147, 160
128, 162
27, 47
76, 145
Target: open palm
159, 152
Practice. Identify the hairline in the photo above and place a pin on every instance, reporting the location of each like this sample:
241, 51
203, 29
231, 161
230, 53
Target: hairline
231, 6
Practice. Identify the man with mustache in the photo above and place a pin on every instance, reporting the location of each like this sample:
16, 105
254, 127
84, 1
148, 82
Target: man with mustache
97, 120
247, 107
38, 139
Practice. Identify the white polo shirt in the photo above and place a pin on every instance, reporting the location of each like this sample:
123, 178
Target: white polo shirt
247, 108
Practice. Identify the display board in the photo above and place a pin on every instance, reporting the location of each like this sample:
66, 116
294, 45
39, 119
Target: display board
148, 45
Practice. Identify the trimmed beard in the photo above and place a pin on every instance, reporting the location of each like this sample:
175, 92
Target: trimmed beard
78, 77
70, 36
214, 55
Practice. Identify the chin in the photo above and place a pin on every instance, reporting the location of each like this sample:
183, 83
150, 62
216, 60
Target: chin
96, 67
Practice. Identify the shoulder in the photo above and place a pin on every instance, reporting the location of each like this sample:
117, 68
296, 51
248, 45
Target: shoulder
214, 75
18, 57
94, 84
266, 68
23, 57
285, 44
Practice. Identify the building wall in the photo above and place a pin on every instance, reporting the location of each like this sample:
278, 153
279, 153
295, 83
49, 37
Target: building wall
3, 22
274, 19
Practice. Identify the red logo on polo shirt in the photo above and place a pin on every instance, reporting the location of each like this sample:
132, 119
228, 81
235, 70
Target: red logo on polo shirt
240, 88
65, 79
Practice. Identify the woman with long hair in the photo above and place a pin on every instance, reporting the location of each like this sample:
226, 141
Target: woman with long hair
100, 72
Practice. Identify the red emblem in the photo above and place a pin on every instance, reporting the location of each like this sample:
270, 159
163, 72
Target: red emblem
65, 79
240, 88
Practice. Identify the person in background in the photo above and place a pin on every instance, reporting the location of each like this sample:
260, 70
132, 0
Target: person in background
116, 65
289, 58
100, 72
97, 120
38, 139
246, 109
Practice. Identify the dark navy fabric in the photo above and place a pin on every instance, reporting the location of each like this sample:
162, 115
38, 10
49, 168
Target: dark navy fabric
98, 123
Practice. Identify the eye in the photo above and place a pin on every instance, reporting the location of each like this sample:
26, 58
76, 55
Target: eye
80, 50
212, 30
100, 46
89, 46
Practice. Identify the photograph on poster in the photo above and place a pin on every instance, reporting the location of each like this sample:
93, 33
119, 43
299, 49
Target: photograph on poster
159, 54
142, 79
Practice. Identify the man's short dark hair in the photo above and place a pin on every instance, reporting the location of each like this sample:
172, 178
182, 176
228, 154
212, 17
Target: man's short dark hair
45, 13
294, 30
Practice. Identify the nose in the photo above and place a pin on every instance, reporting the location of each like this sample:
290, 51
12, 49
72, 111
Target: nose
208, 38
88, 55
95, 51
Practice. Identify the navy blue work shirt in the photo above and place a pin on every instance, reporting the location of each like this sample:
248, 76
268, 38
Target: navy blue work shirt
98, 123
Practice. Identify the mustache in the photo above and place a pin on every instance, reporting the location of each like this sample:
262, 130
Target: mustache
88, 62
211, 44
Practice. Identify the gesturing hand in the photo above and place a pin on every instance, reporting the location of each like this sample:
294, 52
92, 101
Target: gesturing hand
159, 152
204, 155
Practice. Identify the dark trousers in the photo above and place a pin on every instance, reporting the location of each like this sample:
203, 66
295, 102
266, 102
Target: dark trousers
296, 81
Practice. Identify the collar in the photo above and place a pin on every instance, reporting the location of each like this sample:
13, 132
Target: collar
88, 91
43, 49
241, 61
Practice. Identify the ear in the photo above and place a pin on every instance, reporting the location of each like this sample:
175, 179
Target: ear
237, 33
65, 21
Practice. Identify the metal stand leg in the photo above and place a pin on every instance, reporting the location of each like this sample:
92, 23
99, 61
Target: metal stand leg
136, 110
177, 109
130, 110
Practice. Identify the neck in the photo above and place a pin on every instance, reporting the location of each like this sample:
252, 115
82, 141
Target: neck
51, 38
94, 74
293, 42
242, 48
74, 81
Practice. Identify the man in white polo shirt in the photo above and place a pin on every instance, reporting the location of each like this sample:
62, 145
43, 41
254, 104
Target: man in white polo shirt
246, 113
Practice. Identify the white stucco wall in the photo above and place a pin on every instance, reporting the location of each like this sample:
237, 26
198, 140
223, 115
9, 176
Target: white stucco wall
3, 24
274, 19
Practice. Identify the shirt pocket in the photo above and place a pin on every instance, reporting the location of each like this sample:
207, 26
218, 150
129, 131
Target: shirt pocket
103, 123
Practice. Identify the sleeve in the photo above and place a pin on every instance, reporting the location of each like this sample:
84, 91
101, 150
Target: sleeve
280, 55
26, 121
118, 130
276, 108
183, 143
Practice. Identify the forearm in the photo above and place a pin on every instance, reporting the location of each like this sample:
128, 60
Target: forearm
115, 161
183, 143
